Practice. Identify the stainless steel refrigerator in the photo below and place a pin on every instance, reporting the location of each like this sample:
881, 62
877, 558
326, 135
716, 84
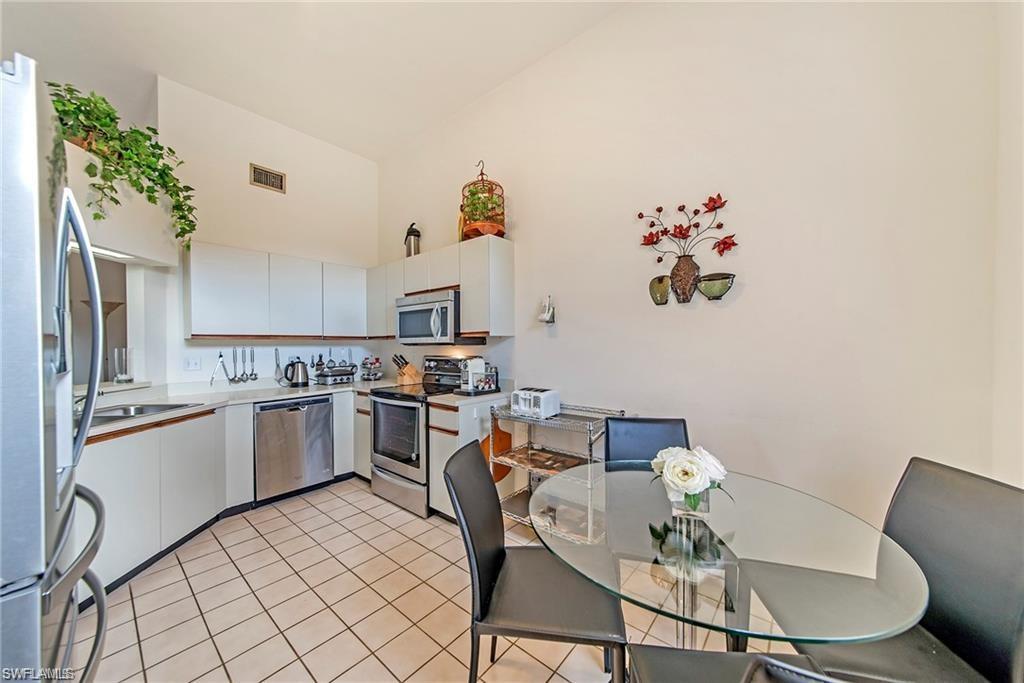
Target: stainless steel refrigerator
41, 438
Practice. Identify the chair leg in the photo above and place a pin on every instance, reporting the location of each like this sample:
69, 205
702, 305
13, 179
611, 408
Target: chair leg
618, 664
607, 660
494, 647
474, 654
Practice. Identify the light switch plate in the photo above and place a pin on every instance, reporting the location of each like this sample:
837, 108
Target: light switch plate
193, 363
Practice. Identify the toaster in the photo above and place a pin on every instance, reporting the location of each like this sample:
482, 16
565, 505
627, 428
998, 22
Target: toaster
535, 402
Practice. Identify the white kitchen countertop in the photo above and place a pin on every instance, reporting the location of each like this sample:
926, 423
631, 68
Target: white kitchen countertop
456, 401
217, 398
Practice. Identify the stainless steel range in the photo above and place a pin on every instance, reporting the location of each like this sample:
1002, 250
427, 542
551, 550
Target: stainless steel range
398, 424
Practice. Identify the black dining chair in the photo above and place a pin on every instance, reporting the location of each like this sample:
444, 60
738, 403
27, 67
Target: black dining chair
523, 592
652, 664
640, 438
966, 532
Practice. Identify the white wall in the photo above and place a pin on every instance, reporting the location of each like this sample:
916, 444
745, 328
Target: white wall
1008, 354
330, 209
329, 213
856, 146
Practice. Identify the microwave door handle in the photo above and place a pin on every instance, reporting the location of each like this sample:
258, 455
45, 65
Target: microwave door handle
435, 321
71, 214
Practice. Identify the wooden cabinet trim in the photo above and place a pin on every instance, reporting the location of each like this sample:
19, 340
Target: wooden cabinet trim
363, 411
266, 336
441, 406
454, 288
99, 438
442, 430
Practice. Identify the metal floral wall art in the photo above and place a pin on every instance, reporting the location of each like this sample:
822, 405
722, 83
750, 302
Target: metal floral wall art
679, 241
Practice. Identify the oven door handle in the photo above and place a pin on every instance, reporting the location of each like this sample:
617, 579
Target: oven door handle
388, 477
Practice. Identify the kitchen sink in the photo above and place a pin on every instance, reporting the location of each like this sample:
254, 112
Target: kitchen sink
139, 409
104, 416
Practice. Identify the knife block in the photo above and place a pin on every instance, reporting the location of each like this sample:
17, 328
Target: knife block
410, 375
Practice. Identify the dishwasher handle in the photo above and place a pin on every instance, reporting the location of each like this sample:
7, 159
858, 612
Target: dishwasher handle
292, 404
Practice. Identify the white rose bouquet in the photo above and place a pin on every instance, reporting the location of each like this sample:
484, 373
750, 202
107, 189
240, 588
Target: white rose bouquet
687, 473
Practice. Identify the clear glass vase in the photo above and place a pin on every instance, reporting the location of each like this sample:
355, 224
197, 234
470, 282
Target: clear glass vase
682, 508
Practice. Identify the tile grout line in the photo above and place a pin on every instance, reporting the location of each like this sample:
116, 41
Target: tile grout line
265, 610
347, 568
202, 615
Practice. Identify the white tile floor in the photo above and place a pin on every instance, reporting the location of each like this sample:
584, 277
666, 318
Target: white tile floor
333, 585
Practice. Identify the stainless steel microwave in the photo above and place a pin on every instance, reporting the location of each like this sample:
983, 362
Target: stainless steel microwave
430, 318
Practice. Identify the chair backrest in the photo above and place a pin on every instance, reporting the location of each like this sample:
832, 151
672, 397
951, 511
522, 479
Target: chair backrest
764, 669
478, 512
640, 438
966, 532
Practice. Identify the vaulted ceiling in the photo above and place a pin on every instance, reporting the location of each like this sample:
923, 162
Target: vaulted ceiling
363, 76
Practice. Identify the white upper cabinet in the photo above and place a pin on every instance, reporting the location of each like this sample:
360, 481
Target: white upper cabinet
443, 269
345, 303
394, 287
227, 290
417, 273
376, 308
296, 296
487, 286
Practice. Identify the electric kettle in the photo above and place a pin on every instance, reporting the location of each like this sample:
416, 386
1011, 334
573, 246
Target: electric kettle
296, 374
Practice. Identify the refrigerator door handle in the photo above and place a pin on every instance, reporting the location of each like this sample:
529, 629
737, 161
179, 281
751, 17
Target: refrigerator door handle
64, 583
91, 666
71, 214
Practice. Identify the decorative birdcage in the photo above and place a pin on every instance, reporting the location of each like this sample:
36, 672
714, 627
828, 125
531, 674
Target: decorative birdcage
482, 211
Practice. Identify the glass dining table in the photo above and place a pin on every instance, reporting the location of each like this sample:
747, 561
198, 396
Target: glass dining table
766, 561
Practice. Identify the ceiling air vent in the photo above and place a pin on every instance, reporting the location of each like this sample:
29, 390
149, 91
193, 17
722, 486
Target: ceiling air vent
261, 176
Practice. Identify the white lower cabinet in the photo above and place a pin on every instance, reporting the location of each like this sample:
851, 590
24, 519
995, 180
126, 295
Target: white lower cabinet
362, 444
125, 473
191, 475
448, 430
441, 447
239, 449
344, 431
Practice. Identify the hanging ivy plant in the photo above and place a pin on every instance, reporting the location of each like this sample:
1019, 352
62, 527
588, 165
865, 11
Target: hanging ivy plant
133, 155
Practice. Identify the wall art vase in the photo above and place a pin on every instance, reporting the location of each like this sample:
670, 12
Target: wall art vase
659, 289
684, 278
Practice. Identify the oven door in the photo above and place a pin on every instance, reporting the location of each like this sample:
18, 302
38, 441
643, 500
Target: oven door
399, 437
426, 323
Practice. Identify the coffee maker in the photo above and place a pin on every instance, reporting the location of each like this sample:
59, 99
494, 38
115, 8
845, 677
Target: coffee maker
477, 377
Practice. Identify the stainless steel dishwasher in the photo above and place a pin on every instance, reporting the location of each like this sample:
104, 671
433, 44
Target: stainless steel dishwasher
294, 445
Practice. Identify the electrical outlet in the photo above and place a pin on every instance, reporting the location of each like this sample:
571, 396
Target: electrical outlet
193, 363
